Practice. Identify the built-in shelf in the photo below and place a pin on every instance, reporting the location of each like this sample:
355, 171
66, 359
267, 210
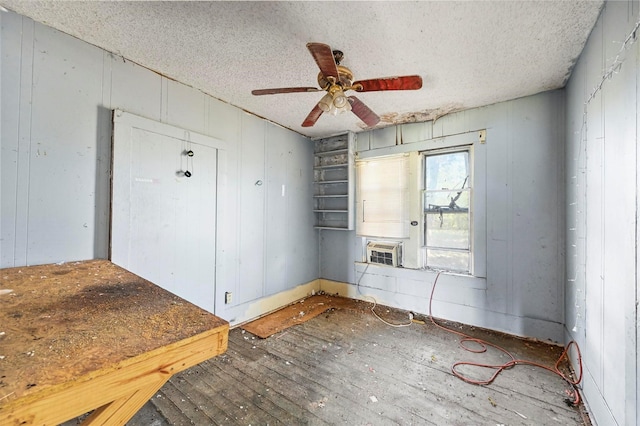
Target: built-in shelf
329, 166
334, 185
329, 182
334, 152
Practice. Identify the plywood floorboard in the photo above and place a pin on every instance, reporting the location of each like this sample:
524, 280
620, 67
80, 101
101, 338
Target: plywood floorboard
346, 367
298, 313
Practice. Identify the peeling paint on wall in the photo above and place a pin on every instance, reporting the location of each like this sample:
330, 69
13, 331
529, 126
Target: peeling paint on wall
419, 116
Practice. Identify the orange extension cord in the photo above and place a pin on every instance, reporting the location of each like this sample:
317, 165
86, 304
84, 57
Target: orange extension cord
482, 347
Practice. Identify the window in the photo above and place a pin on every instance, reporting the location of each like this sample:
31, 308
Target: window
430, 197
381, 197
447, 210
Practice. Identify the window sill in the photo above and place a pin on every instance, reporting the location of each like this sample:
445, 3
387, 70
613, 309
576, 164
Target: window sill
427, 275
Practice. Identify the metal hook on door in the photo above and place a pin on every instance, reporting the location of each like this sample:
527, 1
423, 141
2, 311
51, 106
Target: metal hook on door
188, 153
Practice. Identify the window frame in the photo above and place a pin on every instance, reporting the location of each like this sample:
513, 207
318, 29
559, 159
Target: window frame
484, 174
424, 247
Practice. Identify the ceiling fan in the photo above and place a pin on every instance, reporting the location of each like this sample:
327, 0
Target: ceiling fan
336, 79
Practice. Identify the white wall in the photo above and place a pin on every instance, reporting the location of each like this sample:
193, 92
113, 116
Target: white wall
519, 289
602, 215
57, 96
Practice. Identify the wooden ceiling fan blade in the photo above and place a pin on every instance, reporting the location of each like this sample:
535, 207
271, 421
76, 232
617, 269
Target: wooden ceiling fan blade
313, 116
323, 55
363, 112
284, 90
407, 82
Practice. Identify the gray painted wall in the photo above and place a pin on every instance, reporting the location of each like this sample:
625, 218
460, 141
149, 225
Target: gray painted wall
519, 201
57, 97
602, 215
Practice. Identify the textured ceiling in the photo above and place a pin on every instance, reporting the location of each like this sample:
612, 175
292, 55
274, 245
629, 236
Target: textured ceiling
469, 54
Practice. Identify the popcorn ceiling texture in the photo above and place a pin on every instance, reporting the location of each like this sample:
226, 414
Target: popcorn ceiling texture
469, 54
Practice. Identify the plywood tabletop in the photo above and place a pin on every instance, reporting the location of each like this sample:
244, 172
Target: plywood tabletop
63, 321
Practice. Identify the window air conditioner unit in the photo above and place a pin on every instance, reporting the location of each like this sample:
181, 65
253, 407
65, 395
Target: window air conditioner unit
384, 253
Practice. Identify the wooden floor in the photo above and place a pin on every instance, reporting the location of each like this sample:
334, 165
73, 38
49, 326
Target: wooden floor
347, 367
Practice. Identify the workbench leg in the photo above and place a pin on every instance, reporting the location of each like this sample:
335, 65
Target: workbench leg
121, 410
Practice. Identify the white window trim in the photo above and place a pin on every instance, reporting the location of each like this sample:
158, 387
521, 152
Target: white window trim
412, 249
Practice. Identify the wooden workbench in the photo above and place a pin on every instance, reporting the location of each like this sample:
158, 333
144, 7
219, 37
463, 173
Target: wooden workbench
90, 335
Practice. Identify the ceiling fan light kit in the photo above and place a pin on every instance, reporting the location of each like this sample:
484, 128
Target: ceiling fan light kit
334, 102
326, 103
336, 79
340, 100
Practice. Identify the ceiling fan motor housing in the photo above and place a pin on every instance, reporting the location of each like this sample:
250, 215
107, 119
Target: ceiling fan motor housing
345, 79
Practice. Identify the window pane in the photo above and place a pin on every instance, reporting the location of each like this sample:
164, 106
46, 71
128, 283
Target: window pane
449, 260
447, 171
448, 231
447, 225
447, 203
452, 201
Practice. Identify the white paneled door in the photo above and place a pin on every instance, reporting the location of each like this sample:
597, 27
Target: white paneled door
164, 207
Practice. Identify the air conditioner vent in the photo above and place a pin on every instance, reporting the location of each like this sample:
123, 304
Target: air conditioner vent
384, 253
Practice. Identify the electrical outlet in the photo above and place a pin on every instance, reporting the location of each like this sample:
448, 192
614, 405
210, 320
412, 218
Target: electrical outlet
227, 297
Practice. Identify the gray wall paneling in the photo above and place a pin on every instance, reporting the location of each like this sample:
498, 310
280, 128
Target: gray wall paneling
602, 216
57, 96
291, 241
522, 166
252, 209
302, 249
15, 87
338, 251
277, 233
45, 182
